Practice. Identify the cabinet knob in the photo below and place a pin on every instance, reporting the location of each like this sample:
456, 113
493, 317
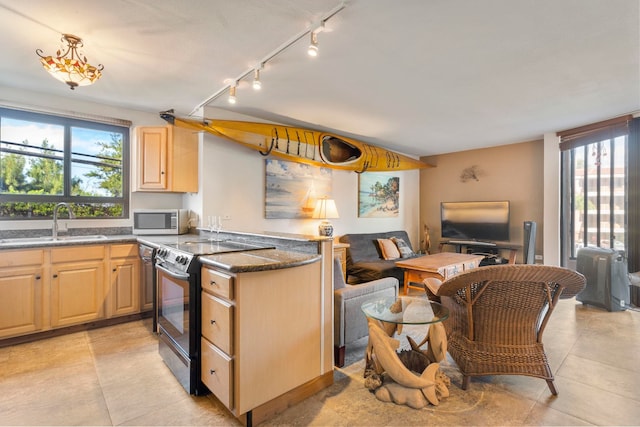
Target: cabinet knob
37, 277
213, 321
162, 173
212, 371
213, 283
114, 270
55, 276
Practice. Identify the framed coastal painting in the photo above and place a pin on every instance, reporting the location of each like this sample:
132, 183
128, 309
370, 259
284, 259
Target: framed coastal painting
291, 189
378, 195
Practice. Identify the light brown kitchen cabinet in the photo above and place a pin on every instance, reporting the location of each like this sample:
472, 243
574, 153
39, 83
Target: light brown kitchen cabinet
124, 286
55, 287
77, 285
167, 159
261, 333
21, 292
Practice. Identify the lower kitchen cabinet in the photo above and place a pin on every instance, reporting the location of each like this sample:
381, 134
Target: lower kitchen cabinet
216, 370
55, 287
77, 288
124, 286
261, 333
21, 292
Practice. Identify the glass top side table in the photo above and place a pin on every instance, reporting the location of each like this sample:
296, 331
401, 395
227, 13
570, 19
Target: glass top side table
386, 365
405, 310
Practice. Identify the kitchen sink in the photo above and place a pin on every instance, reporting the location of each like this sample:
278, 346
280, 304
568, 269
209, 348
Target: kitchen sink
44, 239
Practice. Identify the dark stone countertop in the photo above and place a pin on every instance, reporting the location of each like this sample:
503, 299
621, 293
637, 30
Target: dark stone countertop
236, 262
258, 260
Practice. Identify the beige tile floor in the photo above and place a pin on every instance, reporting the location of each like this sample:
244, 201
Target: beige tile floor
114, 376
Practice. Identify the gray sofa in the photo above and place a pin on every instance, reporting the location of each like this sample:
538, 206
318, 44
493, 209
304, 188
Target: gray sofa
364, 261
349, 322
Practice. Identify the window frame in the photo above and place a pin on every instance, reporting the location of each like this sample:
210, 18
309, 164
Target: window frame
581, 139
68, 122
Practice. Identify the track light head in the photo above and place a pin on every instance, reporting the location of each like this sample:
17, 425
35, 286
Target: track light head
257, 84
313, 47
232, 95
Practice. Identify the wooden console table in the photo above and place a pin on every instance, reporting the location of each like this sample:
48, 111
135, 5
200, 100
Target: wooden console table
512, 248
442, 266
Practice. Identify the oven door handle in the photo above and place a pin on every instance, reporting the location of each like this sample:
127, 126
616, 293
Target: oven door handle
179, 276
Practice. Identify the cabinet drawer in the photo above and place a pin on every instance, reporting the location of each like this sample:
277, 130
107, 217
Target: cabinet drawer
124, 250
217, 322
20, 258
216, 373
77, 253
217, 283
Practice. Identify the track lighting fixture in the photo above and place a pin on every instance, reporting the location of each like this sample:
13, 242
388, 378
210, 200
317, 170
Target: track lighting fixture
231, 84
257, 84
313, 47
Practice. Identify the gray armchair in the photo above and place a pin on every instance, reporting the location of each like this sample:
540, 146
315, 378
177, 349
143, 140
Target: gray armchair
349, 322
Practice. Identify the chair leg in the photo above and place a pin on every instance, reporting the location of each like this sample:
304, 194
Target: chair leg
338, 356
552, 387
465, 381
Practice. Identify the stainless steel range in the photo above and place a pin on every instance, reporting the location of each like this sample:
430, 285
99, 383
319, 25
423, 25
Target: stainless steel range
178, 287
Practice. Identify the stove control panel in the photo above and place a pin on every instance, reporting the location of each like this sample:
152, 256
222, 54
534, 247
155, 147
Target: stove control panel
173, 260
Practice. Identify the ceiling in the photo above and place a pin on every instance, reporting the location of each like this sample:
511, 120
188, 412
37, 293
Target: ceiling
421, 77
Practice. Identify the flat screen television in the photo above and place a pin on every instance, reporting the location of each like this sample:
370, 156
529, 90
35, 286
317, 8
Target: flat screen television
482, 221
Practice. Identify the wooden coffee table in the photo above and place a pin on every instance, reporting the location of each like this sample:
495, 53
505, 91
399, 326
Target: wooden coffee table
442, 266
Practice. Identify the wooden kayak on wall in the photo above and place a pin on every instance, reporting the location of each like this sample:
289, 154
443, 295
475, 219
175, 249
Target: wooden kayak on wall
302, 145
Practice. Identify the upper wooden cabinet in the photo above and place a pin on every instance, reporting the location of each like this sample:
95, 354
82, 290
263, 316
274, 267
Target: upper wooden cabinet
167, 159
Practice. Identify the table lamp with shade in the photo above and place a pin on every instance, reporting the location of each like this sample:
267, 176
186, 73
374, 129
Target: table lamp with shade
325, 209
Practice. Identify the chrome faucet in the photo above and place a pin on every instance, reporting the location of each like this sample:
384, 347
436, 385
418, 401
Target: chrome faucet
55, 217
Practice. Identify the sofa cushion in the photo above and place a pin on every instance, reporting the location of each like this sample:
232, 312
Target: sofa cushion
404, 249
364, 261
388, 249
364, 247
366, 271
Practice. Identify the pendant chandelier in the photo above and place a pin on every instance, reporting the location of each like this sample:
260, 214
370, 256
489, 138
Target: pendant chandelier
70, 66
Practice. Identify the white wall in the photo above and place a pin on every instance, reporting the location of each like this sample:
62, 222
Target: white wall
232, 180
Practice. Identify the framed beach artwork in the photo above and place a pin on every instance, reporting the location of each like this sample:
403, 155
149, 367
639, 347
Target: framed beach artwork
291, 189
378, 195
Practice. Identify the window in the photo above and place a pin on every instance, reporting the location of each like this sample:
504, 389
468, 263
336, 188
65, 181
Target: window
47, 159
594, 187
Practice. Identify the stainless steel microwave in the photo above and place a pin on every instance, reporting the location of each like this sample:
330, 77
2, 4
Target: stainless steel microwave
160, 221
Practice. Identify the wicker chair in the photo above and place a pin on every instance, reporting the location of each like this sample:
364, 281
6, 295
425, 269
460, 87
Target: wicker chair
498, 315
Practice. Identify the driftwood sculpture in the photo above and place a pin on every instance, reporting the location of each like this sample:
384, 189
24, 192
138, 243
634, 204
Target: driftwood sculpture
412, 377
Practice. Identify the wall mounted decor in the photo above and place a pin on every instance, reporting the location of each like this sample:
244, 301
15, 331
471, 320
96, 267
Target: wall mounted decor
301, 145
378, 195
292, 189
470, 173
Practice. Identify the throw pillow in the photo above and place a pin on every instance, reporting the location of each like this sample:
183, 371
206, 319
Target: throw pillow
403, 247
388, 249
